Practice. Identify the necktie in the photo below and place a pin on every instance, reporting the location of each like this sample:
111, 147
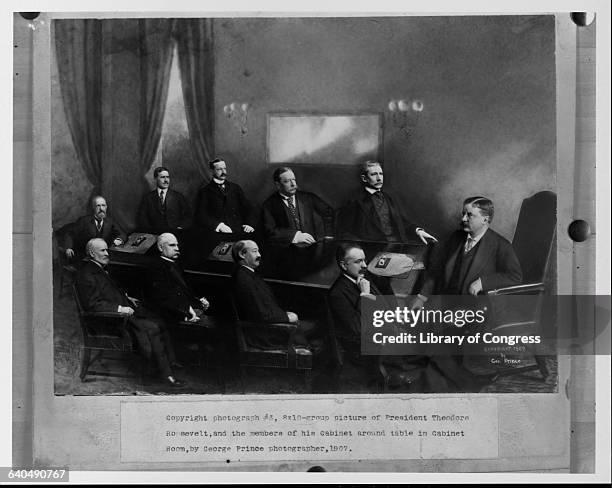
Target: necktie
162, 201
379, 199
293, 212
98, 225
469, 244
222, 188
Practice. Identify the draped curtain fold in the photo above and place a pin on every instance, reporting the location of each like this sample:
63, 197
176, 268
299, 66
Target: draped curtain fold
155, 63
78, 44
194, 39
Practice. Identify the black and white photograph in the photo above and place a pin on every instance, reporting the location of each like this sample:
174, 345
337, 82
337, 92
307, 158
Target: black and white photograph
310, 147
239, 224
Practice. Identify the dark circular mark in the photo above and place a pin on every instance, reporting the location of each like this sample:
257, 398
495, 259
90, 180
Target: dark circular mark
316, 469
246, 73
579, 230
227, 461
582, 19
29, 15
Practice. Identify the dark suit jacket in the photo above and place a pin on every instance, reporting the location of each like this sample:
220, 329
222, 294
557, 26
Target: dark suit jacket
85, 229
316, 218
232, 208
97, 290
494, 263
358, 220
254, 298
168, 291
150, 218
344, 299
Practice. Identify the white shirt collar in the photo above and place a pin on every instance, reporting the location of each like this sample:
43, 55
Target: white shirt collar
476, 239
219, 182
167, 259
161, 191
248, 267
371, 191
350, 278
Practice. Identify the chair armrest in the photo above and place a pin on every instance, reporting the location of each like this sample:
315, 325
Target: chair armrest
517, 289
289, 327
108, 315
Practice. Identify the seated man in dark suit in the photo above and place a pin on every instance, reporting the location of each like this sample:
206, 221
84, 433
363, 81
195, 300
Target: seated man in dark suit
344, 301
163, 210
295, 217
97, 224
256, 301
470, 262
222, 206
99, 293
373, 215
167, 286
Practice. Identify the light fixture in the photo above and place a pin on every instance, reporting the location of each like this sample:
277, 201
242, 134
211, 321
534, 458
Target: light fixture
238, 114
405, 114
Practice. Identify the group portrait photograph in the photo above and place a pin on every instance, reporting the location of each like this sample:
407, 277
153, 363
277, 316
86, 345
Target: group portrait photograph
230, 193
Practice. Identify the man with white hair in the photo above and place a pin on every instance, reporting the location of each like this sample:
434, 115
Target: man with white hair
98, 292
167, 286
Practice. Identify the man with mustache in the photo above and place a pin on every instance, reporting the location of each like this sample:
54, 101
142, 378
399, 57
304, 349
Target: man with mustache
374, 216
222, 206
98, 292
294, 217
470, 262
345, 304
473, 260
256, 301
163, 209
97, 224
168, 289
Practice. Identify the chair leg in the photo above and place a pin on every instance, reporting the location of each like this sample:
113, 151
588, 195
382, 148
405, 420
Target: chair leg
85, 362
541, 362
308, 380
243, 377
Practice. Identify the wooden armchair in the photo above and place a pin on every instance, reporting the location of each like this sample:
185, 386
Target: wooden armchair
103, 332
533, 243
289, 356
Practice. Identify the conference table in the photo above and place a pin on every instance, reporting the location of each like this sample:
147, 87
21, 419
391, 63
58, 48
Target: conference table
312, 268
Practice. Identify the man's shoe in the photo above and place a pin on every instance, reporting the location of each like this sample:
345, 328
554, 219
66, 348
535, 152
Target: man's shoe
172, 381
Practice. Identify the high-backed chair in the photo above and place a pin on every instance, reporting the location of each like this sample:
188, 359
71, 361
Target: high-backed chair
533, 243
289, 356
103, 332
66, 268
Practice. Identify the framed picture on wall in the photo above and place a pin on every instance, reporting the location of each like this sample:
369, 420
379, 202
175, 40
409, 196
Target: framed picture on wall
328, 139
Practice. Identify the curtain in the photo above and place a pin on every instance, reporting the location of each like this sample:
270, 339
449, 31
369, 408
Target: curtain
78, 44
195, 50
155, 63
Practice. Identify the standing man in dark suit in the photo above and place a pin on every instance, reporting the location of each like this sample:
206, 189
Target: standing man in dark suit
99, 293
293, 217
374, 216
167, 286
222, 206
163, 210
97, 224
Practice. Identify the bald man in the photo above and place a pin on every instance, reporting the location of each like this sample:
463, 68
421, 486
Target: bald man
168, 289
99, 293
